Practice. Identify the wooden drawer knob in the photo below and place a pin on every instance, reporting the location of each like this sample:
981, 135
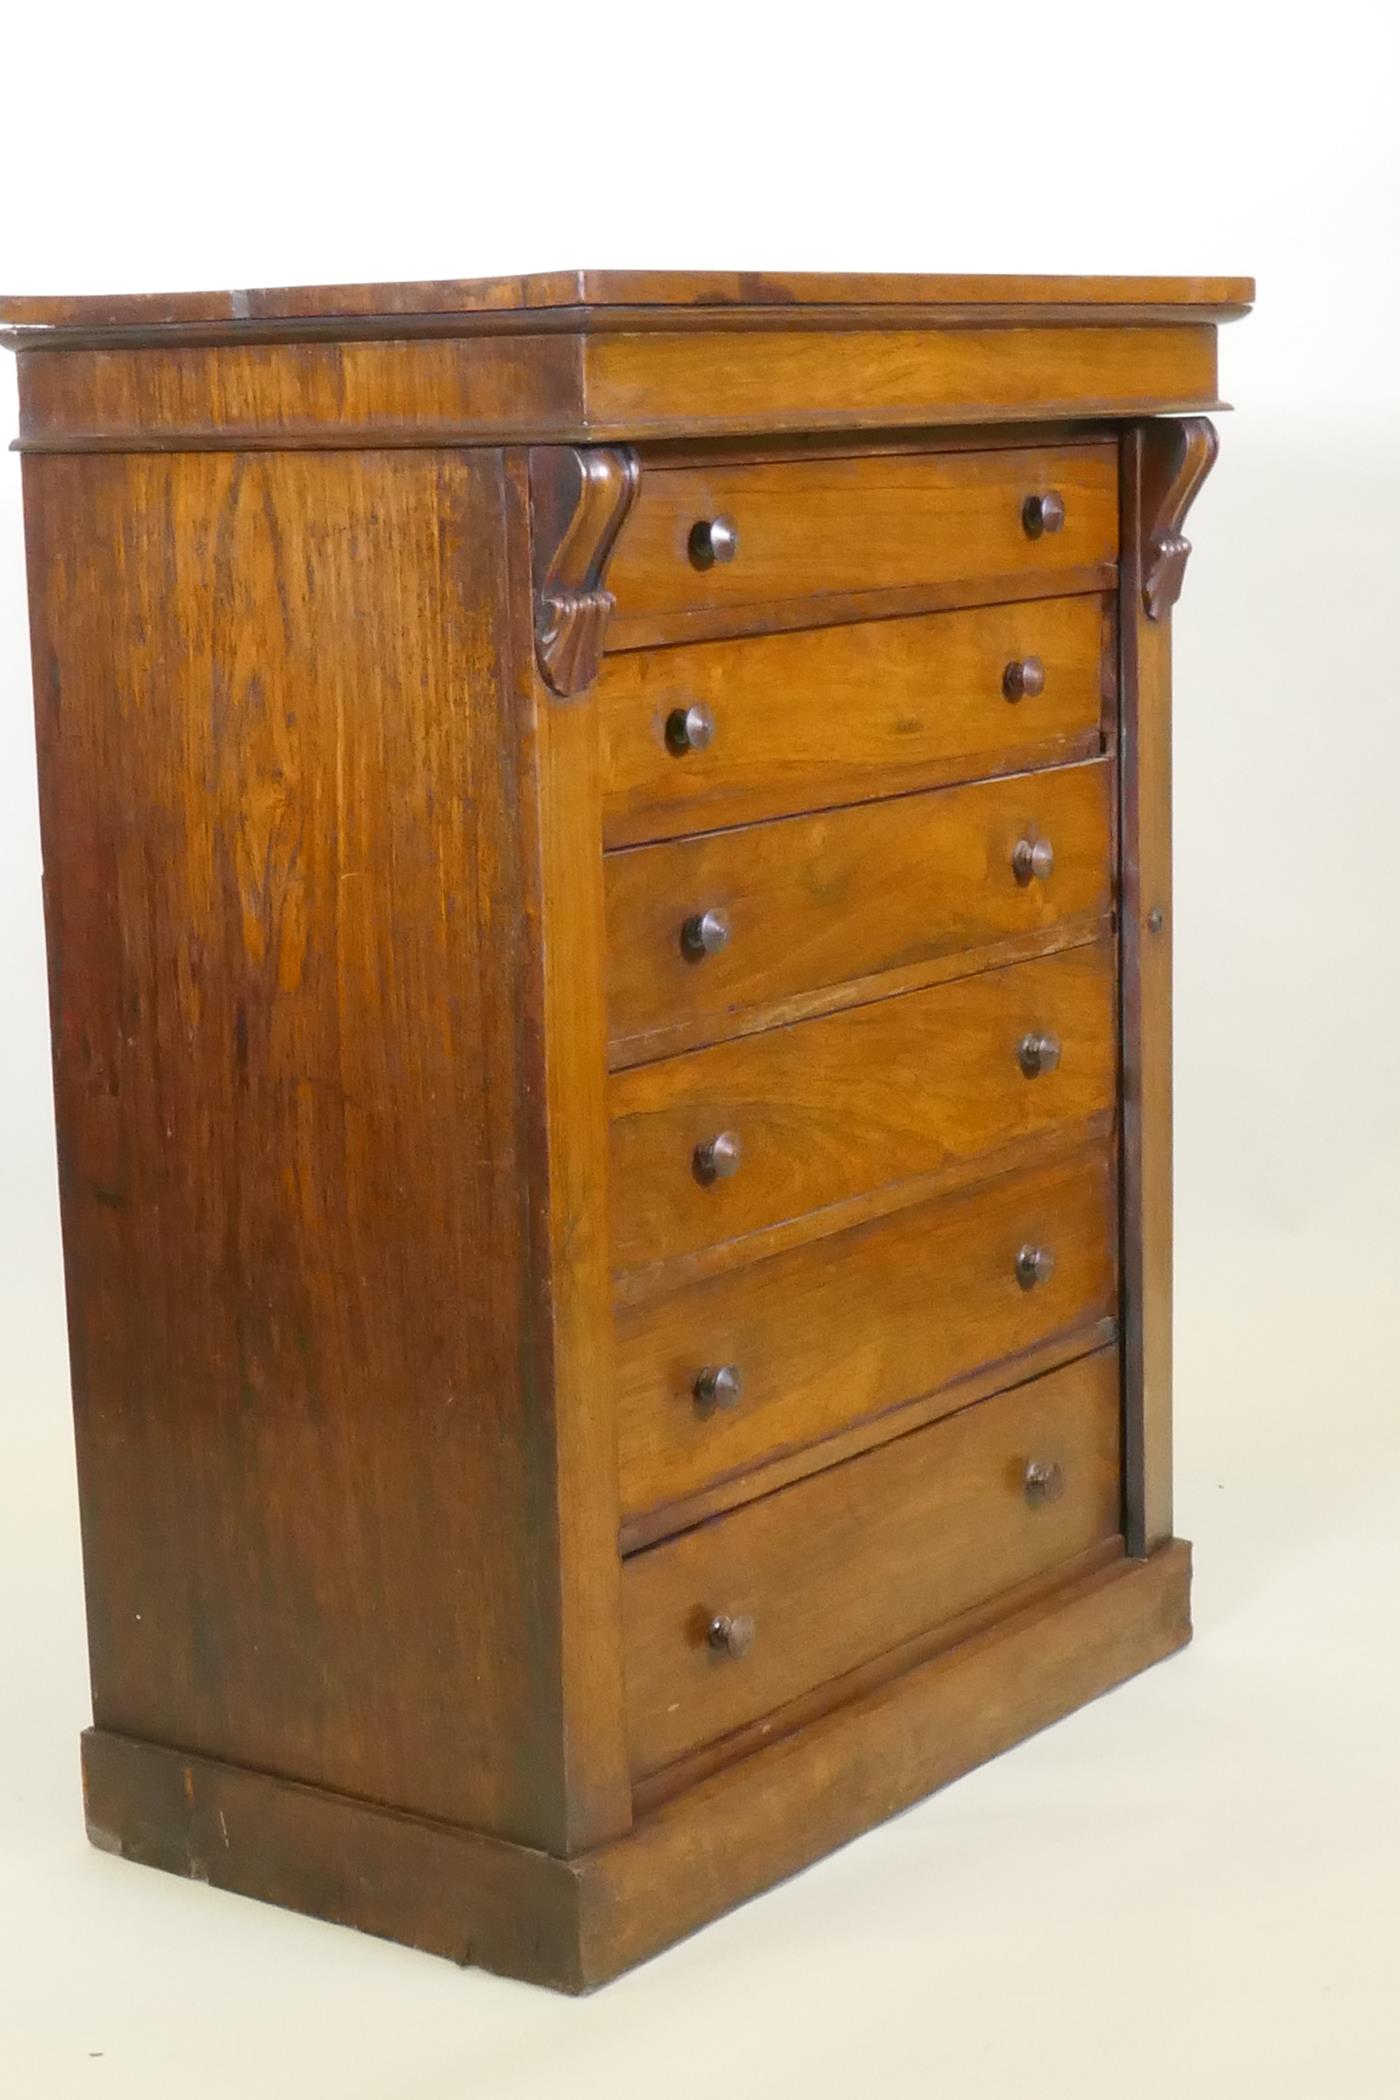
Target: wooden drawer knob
1044, 1482
705, 933
719, 1385
689, 729
719, 1157
1023, 678
1032, 860
1038, 1053
1034, 1265
713, 540
731, 1635
1044, 513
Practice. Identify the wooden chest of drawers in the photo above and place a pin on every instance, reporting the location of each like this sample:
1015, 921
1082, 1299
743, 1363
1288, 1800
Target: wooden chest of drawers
608, 881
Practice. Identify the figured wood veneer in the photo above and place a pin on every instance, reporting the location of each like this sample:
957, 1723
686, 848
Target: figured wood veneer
938, 1295
824, 715
844, 525
864, 1556
879, 1094
817, 901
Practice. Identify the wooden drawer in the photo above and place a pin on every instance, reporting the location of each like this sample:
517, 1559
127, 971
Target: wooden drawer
827, 1109
839, 714
809, 528
813, 902
941, 1291
857, 1560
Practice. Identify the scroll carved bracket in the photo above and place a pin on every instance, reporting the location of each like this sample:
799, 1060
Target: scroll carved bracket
579, 500
1177, 455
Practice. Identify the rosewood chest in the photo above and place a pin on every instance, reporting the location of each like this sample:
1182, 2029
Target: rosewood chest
607, 863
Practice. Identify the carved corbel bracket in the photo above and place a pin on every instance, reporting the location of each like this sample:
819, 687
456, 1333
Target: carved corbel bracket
579, 497
1177, 455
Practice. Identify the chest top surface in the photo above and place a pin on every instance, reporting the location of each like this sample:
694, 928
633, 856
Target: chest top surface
623, 298
636, 355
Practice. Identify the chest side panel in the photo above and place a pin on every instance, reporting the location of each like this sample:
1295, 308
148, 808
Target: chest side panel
284, 908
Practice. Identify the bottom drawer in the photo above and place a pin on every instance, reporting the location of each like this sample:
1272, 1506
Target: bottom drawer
829, 1573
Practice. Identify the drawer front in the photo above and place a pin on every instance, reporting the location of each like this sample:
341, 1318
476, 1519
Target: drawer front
700, 538
828, 1109
942, 1289
701, 928
847, 1565
714, 733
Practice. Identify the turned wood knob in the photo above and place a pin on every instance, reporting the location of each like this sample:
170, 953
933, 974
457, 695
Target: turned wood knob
719, 1385
690, 728
713, 540
1038, 1053
719, 1157
1023, 678
731, 1634
1032, 859
1044, 513
1044, 1482
1034, 1265
705, 933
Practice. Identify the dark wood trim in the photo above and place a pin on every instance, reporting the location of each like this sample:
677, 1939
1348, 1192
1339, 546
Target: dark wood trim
579, 500
570, 429
431, 1885
574, 1924
629, 299
1176, 459
580, 320
564, 1032
1162, 467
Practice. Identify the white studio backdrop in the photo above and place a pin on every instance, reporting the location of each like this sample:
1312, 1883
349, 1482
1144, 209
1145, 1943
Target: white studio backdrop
1198, 1880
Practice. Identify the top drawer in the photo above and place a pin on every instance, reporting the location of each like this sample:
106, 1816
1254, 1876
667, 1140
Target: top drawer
701, 538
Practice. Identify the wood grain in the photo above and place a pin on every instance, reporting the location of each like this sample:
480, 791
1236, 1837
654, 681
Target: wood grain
337, 395
938, 1296
383, 1089
574, 1924
673, 630
705, 289
810, 527
811, 902
657, 1789
837, 714
1163, 468
763, 1818
284, 896
635, 380
864, 1556
567, 1368
831, 1107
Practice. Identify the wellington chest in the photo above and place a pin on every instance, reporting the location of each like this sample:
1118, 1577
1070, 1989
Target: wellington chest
607, 867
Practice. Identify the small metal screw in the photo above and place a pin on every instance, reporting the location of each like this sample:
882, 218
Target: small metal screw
1154, 921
